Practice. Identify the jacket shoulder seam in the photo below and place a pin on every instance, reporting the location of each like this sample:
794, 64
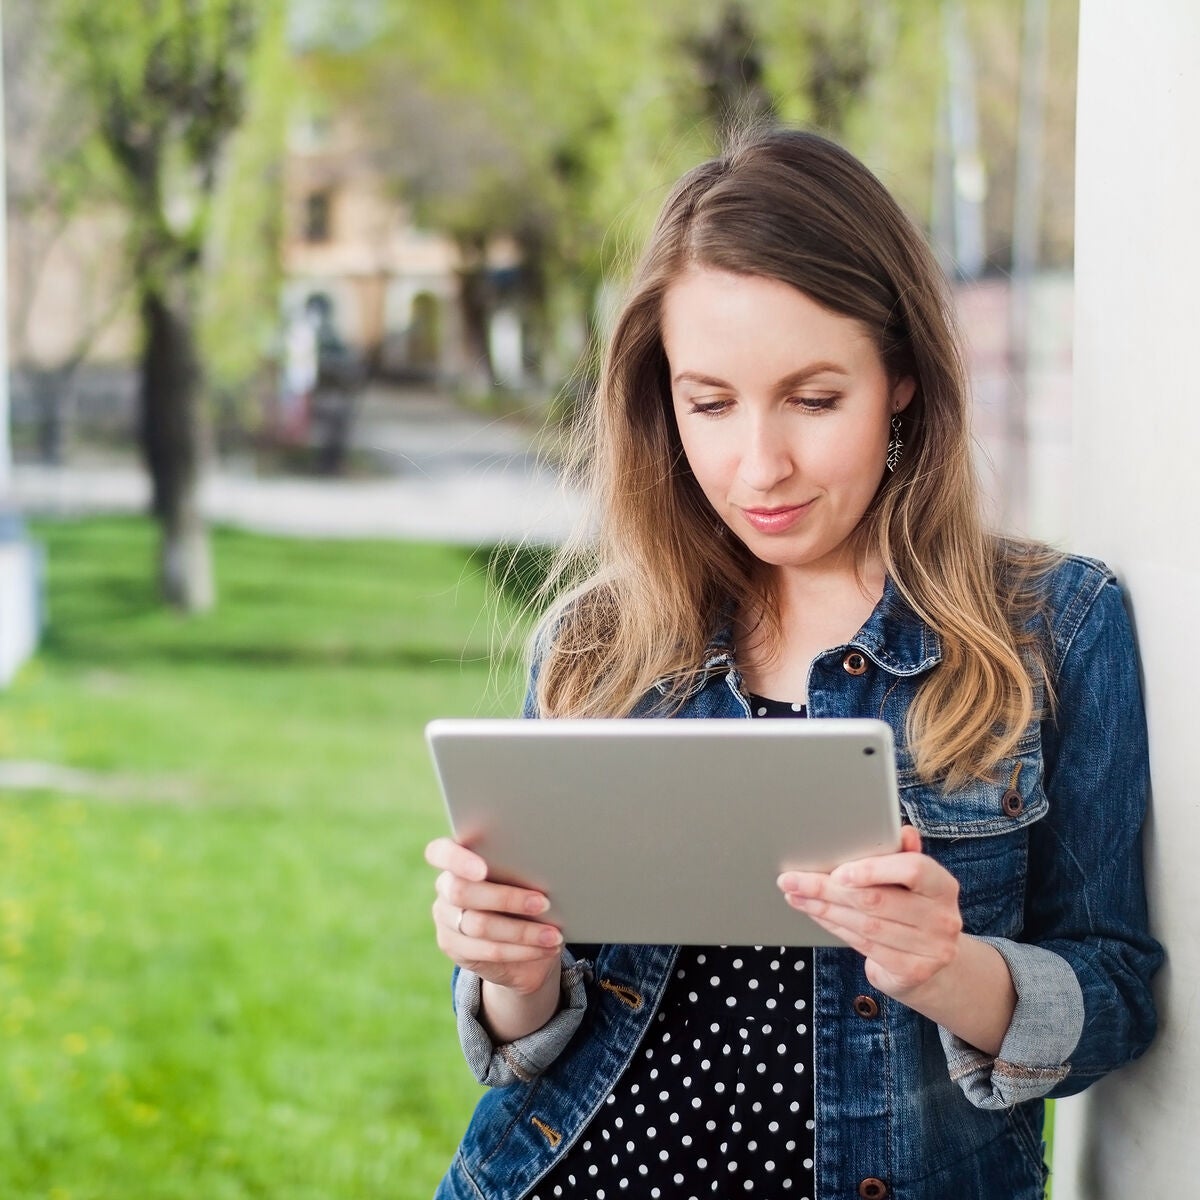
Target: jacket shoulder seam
1096, 576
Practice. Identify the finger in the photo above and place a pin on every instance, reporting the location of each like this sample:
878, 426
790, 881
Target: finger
447, 855
888, 967
802, 883
892, 901
872, 910
491, 897
901, 921
459, 925
481, 957
910, 839
842, 932
916, 872
523, 977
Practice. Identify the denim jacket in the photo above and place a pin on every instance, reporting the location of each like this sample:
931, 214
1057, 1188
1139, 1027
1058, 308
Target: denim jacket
1048, 859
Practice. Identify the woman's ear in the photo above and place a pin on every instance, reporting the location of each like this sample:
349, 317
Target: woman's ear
903, 393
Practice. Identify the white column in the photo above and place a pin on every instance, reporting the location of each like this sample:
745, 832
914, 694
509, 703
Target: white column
1137, 471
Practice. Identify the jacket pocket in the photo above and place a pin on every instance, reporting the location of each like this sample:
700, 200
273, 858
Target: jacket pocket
980, 834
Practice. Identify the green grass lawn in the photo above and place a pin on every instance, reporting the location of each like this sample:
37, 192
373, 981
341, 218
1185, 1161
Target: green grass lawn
221, 981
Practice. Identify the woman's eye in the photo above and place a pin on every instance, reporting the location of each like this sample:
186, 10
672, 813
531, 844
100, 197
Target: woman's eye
710, 408
815, 403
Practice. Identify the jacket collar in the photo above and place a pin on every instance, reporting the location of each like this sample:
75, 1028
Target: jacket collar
893, 637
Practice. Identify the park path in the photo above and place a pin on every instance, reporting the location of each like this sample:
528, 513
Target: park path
450, 476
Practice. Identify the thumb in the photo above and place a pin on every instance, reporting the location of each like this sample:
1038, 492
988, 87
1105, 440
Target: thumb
910, 840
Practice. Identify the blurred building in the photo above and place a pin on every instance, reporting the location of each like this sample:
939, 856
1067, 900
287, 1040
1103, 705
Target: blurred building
390, 291
387, 296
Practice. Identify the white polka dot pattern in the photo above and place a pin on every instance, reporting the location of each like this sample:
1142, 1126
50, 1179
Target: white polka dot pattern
738, 1074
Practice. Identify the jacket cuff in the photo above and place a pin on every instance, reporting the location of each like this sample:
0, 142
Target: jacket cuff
1045, 1029
527, 1057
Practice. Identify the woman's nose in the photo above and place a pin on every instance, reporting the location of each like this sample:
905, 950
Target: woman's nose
766, 458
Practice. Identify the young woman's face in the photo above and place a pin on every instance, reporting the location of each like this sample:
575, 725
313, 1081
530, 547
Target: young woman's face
784, 409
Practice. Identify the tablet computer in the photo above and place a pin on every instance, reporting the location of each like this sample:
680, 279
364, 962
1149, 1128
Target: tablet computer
669, 831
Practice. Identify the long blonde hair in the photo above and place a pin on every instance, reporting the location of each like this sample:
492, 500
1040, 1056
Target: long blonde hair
656, 571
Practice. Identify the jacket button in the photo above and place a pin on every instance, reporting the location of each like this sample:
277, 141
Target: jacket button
865, 1007
1012, 803
873, 1189
854, 663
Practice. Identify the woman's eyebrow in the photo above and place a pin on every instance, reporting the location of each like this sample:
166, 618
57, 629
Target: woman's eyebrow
793, 379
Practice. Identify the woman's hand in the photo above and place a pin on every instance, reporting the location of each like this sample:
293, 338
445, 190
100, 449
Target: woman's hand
900, 912
491, 928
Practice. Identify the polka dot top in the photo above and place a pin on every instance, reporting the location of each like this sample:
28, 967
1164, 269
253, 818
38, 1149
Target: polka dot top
718, 1099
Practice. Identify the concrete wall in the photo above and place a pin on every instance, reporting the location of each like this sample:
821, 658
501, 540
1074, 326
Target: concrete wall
1137, 445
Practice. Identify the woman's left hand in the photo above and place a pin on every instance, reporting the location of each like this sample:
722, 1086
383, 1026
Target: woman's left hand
899, 911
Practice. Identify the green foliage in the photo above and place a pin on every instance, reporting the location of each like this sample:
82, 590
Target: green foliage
559, 125
550, 121
221, 980
185, 103
166, 81
240, 302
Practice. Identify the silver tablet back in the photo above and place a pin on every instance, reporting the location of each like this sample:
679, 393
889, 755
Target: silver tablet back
669, 831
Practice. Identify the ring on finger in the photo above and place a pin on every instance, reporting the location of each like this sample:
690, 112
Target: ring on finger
462, 912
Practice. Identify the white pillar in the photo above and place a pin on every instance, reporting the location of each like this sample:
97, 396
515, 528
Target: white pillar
1137, 466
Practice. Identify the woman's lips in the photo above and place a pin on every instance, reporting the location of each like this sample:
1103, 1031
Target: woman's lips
775, 520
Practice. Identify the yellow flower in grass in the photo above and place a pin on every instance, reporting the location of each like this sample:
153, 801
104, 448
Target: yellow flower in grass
75, 1044
143, 1114
150, 849
16, 837
14, 912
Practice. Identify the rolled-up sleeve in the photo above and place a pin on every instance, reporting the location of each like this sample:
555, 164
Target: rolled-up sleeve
1041, 1036
1083, 964
526, 1058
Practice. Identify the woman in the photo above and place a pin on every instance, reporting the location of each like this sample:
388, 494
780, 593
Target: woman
789, 526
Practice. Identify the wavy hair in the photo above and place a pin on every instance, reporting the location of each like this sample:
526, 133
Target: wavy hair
638, 594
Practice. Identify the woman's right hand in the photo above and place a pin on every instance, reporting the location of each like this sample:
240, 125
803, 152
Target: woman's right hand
491, 928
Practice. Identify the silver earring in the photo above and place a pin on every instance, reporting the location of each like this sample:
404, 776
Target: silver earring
896, 445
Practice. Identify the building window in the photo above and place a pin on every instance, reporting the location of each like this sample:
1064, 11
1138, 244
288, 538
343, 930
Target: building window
317, 209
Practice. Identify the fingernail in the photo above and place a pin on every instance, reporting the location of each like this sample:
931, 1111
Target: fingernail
536, 904
550, 937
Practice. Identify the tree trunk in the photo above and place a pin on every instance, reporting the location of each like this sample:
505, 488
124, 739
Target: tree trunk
475, 304
50, 390
171, 444
538, 332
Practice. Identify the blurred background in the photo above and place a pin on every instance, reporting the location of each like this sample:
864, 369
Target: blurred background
299, 296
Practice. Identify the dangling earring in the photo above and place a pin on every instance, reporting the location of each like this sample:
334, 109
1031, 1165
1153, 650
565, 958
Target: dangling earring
896, 445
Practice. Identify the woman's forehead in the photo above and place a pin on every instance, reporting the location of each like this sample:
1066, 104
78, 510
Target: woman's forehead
711, 317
